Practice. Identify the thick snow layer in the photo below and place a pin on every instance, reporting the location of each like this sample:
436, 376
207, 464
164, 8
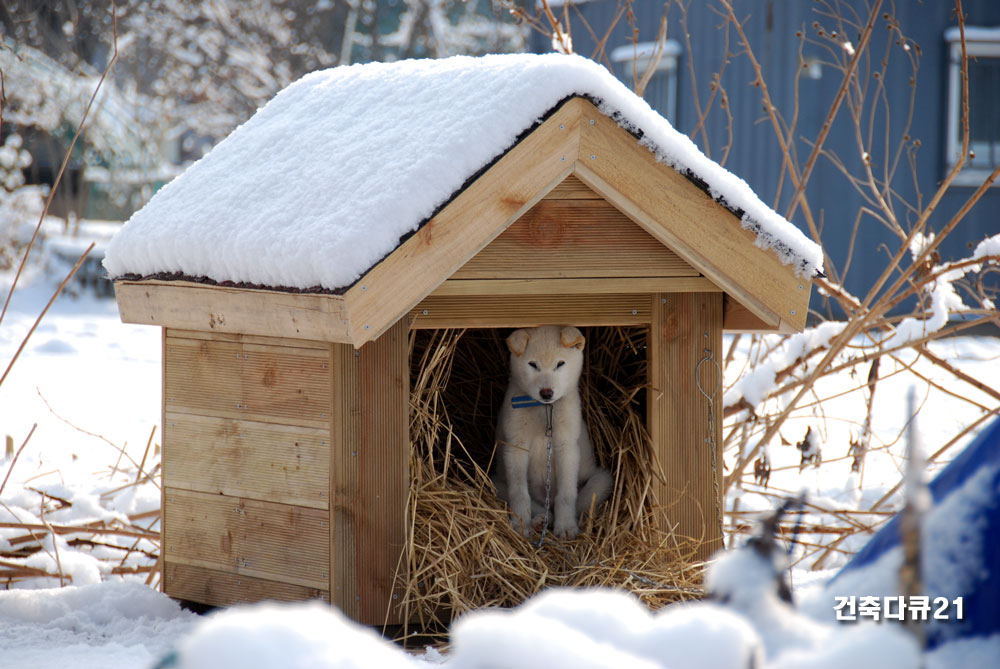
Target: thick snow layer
561, 628
322, 183
110, 624
272, 636
603, 628
598, 628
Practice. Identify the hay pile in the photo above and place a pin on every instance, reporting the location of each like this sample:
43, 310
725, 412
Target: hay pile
462, 553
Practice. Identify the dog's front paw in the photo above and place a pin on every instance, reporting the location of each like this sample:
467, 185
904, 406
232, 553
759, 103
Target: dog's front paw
524, 529
567, 531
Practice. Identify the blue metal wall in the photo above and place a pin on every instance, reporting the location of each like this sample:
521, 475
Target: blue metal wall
771, 27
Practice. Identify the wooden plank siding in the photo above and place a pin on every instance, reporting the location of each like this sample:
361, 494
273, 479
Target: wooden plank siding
571, 188
683, 327
219, 588
240, 381
574, 239
246, 461
274, 542
263, 461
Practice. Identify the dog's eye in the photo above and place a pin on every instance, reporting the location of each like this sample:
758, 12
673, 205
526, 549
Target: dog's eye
533, 365
560, 364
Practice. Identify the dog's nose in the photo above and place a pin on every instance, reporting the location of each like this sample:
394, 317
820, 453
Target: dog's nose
545, 394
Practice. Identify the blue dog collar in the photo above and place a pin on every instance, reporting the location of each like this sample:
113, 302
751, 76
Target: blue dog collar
525, 401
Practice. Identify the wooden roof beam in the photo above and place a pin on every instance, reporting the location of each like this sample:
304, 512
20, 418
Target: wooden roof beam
683, 217
497, 198
192, 306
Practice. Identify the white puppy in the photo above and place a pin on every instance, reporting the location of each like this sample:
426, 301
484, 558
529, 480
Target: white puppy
545, 365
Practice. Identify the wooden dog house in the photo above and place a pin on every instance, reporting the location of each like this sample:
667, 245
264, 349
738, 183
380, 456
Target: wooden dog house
285, 445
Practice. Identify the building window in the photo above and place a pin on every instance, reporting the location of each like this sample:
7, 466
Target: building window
632, 61
983, 48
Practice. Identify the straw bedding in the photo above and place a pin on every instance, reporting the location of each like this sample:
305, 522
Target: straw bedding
462, 553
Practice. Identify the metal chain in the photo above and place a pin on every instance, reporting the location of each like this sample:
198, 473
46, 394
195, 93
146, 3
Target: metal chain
548, 472
710, 439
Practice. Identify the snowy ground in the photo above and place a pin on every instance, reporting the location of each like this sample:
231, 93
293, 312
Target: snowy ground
84, 370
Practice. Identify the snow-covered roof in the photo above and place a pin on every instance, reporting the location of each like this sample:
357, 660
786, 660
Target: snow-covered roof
326, 179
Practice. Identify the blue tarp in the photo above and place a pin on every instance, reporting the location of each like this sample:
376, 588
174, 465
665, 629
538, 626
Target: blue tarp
981, 599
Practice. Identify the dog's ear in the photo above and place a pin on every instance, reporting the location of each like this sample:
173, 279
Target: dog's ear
571, 337
517, 342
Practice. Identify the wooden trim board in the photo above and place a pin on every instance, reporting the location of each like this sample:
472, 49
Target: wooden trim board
251, 339
345, 440
221, 588
369, 475
192, 306
383, 474
683, 327
585, 286
163, 440
473, 311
